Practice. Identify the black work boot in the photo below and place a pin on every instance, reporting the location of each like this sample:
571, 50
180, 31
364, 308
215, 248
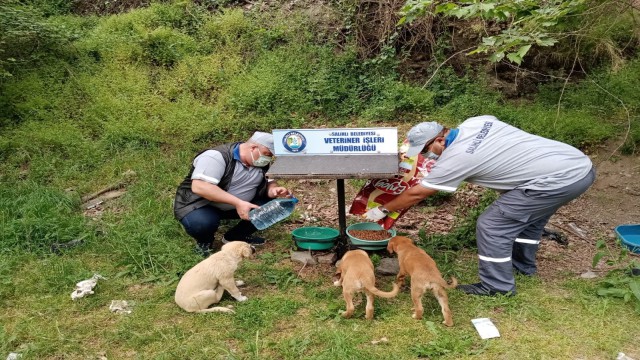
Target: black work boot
480, 289
204, 249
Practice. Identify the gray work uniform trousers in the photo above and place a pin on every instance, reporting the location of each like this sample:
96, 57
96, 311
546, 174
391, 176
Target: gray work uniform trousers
508, 232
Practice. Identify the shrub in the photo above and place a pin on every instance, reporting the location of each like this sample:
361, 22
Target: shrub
186, 17
393, 97
25, 36
276, 84
202, 77
231, 30
165, 46
314, 81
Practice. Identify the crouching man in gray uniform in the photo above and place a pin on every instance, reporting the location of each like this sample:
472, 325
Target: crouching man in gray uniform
226, 182
534, 175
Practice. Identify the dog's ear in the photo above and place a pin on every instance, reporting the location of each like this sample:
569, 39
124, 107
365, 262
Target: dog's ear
391, 247
247, 251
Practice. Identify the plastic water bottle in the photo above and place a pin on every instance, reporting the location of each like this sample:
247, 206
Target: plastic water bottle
272, 212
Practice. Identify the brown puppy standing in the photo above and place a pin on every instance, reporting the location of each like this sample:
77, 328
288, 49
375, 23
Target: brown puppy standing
204, 284
424, 274
355, 274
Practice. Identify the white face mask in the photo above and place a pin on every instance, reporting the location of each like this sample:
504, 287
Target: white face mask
430, 155
261, 161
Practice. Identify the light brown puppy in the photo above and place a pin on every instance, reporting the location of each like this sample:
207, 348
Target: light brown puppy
204, 284
355, 274
424, 273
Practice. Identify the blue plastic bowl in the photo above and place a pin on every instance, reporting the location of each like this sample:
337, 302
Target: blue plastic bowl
369, 244
630, 236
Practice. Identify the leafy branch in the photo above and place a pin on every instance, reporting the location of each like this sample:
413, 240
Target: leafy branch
523, 23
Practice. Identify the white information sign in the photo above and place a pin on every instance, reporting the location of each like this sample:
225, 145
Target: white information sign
345, 141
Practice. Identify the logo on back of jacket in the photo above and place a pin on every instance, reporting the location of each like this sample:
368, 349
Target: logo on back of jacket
294, 141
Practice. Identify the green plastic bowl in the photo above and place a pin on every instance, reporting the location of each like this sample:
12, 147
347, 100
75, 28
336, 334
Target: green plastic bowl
315, 238
369, 244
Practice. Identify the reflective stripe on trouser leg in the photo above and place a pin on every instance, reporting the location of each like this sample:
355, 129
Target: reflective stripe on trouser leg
510, 216
541, 205
526, 247
495, 235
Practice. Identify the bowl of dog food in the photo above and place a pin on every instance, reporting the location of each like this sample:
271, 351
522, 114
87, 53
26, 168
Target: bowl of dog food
315, 237
629, 235
369, 236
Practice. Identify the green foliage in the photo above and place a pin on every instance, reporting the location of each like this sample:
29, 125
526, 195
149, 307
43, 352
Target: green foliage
314, 80
392, 98
446, 85
603, 251
528, 22
186, 17
570, 127
632, 144
443, 344
463, 234
236, 33
576, 122
203, 77
622, 286
375, 259
283, 279
604, 94
33, 217
25, 36
164, 46
606, 35
51, 7
523, 24
621, 282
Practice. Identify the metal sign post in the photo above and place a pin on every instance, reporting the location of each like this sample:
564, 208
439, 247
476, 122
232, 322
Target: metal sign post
365, 153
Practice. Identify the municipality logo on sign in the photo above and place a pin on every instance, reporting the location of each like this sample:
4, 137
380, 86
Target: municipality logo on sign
294, 141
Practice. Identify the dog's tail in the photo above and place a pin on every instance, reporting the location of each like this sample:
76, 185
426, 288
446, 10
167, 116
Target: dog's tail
220, 309
452, 284
377, 292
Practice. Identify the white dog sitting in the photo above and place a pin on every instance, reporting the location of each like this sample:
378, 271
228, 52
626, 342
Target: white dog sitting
204, 284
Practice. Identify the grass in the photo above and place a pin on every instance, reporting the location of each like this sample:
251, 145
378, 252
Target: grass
291, 314
133, 96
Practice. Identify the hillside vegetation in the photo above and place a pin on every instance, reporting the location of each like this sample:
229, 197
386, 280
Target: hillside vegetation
127, 92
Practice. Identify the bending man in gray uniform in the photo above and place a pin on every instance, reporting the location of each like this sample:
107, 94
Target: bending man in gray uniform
534, 175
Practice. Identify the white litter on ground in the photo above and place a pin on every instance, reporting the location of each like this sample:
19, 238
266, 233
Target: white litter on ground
485, 328
85, 287
14, 356
622, 356
121, 306
382, 340
589, 275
